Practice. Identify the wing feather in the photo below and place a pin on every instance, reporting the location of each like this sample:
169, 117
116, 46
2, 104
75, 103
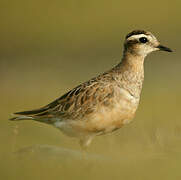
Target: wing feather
78, 102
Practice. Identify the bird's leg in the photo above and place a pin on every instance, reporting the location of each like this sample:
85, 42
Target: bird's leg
84, 143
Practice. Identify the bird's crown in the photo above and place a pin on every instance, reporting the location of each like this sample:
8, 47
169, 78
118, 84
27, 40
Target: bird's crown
136, 32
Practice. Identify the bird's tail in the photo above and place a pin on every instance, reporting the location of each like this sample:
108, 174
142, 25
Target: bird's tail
28, 115
18, 118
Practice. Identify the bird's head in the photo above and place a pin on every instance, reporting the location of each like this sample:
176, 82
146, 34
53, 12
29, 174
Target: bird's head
141, 43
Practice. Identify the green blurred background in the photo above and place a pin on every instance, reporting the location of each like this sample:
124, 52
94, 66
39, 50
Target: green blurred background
47, 48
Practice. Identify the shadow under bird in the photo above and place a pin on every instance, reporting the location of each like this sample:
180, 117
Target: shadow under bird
104, 103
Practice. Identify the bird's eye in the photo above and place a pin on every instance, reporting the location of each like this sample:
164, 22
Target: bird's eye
143, 39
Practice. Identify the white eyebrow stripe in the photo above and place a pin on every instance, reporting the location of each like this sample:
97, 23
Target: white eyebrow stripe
136, 36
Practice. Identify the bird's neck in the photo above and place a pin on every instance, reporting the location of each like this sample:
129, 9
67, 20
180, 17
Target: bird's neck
132, 63
131, 73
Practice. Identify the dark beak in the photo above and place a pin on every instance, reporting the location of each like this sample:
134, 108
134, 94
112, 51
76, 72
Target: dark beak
163, 48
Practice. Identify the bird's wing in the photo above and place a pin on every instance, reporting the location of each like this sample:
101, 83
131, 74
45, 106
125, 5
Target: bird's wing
80, 101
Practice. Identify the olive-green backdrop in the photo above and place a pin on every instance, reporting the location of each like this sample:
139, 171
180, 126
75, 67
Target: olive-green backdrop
47, 48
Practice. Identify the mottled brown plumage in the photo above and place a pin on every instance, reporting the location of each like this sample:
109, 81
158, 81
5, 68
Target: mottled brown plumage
104, 103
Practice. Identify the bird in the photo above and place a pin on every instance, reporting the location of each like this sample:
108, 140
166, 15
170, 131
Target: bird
104, 103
